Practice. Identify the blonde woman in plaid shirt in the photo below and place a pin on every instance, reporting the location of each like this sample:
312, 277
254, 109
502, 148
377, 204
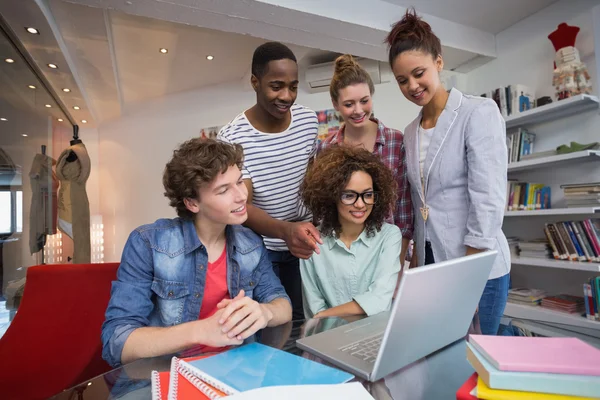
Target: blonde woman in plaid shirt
352, 92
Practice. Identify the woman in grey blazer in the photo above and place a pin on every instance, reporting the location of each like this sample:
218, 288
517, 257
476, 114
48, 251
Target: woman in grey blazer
457, 164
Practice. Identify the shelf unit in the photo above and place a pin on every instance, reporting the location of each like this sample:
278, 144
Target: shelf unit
553, 331
554, 211
537, 313
542, 162
552, 322
555, 110
549, 263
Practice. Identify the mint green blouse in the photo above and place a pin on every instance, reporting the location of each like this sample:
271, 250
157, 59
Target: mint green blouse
366, 272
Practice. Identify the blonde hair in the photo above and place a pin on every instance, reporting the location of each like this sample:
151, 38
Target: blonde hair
348, 72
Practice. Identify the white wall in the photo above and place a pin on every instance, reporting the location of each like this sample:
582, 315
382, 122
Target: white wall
135, 148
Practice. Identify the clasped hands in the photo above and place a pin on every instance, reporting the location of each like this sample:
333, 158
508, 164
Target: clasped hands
235, 320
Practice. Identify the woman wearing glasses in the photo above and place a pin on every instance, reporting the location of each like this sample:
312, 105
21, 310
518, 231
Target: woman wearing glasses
349, 192
351, 92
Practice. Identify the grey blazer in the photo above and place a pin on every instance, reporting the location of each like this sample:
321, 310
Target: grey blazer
465, 181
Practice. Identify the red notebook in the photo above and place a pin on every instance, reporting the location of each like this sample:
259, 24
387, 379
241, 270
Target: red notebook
464, 392
173, 384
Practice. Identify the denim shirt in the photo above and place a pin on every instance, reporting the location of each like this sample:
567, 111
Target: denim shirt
161, 279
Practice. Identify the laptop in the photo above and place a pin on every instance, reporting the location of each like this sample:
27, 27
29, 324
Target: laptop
434, 307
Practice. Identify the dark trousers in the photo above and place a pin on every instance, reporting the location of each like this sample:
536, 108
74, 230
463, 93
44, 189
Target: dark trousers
287, 268
429, 254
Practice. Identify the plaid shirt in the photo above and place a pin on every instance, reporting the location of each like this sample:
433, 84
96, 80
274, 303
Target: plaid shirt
389, 146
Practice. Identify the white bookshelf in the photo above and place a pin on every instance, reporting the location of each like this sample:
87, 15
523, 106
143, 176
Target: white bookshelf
537, 313
553, 161
549, 263
555, 110
553, 331
554, 211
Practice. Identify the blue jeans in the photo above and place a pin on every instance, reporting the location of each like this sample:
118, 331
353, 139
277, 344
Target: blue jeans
492, 304
287, 267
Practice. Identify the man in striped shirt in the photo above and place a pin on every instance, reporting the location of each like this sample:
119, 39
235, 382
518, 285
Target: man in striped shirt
279, 139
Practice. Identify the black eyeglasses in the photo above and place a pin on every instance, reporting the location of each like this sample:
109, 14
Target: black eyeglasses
349, 197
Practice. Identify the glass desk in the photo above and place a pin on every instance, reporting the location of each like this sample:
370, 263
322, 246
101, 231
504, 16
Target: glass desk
438, 376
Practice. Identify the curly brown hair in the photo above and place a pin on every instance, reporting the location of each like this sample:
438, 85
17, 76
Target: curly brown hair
195, 163
327, 178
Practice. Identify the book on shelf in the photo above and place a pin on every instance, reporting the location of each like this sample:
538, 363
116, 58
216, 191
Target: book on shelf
537, 248
519, 143
591, 294
574, 240
523, 196
564, 303
582, 194
526, 296
512, 99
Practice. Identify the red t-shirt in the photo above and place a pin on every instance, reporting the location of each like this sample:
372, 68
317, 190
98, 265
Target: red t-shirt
215, 287
215, 290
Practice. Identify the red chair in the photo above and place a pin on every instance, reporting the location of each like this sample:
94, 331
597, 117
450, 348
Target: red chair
53, 342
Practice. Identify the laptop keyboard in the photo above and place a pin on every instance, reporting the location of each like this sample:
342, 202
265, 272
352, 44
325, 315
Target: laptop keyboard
365, 349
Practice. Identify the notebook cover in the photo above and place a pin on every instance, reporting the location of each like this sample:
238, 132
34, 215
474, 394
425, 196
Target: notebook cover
538, 354
183, 385
160, 385
485, 393
464, 392
255, 365
565, 384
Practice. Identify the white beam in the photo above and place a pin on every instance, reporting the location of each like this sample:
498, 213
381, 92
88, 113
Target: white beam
344, 26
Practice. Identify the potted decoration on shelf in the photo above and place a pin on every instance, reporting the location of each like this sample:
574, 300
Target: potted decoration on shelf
570, 74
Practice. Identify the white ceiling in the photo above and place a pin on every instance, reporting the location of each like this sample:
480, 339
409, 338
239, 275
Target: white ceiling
111, 60
492, 16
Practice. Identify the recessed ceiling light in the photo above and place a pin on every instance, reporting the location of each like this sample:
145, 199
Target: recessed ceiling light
163, 50
53, 66
3, 119
60, 120
83, 121
66, 90
33, 31
24, 134
31, 87
75, 107
48, 105
210, 58
9, 60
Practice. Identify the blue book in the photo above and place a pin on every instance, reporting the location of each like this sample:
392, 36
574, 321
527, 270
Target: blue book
255, 365
565, 384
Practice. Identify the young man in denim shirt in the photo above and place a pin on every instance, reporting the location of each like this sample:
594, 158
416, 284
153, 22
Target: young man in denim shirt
198, 280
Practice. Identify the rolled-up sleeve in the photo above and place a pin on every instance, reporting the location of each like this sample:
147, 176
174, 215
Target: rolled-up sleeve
312, 297
269, 287
485, 140
378, 296
130, 302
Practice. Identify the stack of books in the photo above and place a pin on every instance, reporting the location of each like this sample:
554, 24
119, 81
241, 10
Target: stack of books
564, 303
525, 296
241, 369
538, 248
531, 368
582, 194
523, 196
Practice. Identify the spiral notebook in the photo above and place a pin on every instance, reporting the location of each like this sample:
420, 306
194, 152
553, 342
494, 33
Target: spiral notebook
255, 365
178, 384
